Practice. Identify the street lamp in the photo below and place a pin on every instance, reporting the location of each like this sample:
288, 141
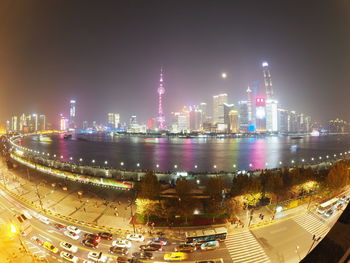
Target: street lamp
195, 167
138, 165
106, 162
175, 166
81, 159
280, 162
122, 163
234, 166
93, 161
61, 156
250, 165
157, 165
214, 166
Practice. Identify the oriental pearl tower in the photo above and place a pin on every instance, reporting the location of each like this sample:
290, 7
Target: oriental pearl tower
161, 91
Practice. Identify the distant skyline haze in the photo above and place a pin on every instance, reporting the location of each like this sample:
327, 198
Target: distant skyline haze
107, 55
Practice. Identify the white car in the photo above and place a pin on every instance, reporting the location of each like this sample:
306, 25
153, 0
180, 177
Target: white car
69, 247
74, 229
69, 257
135, 237
97, 256
44, 219
121, 243
72, 235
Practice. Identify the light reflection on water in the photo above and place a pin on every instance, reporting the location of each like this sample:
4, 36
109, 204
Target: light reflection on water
188, 152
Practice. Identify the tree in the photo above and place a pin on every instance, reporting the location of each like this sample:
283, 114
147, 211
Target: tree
184, 192
147, 207
214, 188
239, 184
149, 187
338, 176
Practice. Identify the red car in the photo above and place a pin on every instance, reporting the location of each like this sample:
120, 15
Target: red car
90, 243
106, 235
59, 226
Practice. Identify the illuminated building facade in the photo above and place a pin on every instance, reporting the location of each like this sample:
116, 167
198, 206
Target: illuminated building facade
271, 115
243, 112
218, 108
64, 123
161, 91
260, 114
72, 115
233, 124
282, 120
113, 120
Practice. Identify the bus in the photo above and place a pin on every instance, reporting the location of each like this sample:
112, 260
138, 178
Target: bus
322, 208
200, 236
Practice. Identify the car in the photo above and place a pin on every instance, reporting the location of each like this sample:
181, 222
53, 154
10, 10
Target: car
342, 199
69, 247
135, 237
92, 236
71, 234
106, 235
121, 243
175, 256
186, 248
97, 256
37, 240
151, 247
119, 250
328, 213
74, 229
159, 240
210, 245
122, 259
59, 226
90, 243
87, 261
50, 247
69, 257
44, 219
143, 255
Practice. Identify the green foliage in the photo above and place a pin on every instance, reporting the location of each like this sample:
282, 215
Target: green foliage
149, 187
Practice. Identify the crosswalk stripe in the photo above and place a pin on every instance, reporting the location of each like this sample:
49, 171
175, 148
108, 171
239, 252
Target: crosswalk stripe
244, 248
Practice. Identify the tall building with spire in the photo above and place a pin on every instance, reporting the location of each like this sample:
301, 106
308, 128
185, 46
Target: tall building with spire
271, 103
161, 91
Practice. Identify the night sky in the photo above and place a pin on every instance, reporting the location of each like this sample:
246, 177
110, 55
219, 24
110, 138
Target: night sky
107, 55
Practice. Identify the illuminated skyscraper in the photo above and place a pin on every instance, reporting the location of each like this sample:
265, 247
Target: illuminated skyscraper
14, 123
72, 115
113, 120
283, 118
233, 124
243, 115
42, 122
249, 106
218, 108
260, 107
267, 81
161, 91
271, 103
63, 123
